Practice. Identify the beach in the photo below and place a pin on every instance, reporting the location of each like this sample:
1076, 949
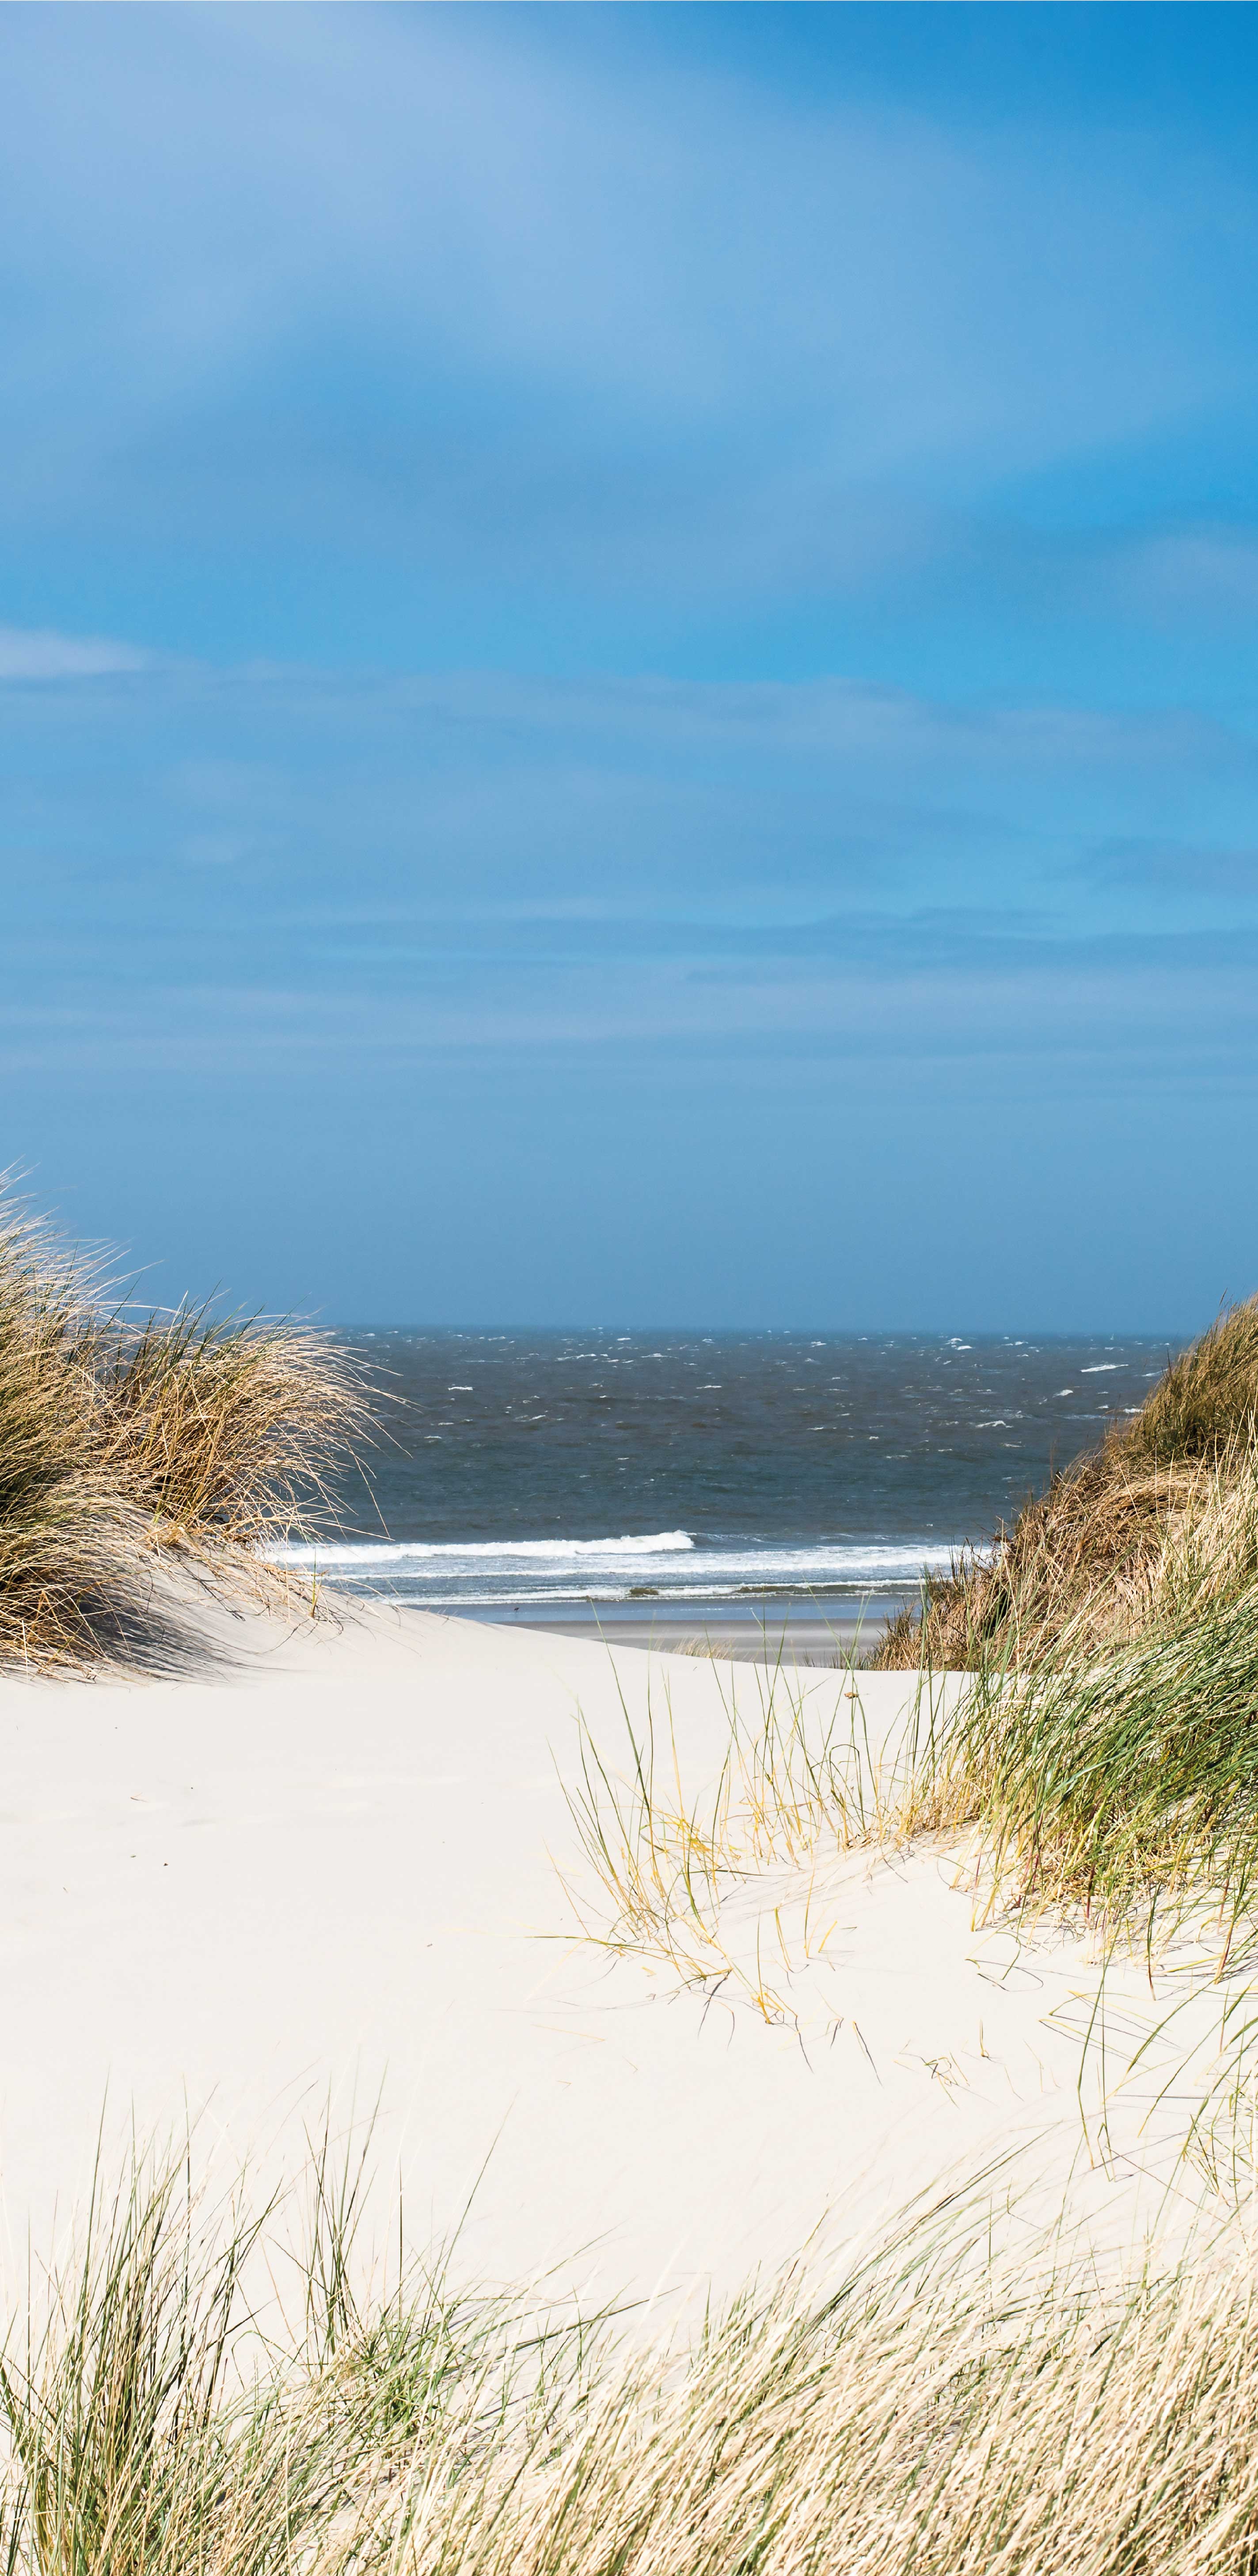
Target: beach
829, 1631
337, 1863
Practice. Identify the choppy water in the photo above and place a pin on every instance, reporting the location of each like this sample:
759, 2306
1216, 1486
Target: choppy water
548, 1470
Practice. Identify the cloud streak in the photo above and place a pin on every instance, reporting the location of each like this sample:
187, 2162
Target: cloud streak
36, 653
279, 867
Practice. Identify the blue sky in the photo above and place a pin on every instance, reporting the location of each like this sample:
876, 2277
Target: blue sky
627, 657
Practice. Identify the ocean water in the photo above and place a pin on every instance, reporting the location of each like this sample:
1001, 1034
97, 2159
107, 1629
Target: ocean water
554, 1477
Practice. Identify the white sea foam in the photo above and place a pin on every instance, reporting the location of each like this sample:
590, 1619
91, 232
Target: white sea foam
418, 1551
670, 1564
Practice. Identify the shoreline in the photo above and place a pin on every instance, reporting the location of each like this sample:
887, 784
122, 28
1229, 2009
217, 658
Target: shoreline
764, 1630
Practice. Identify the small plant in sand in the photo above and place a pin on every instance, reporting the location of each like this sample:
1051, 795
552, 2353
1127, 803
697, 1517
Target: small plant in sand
796, 1784
119, 1438
218, 2390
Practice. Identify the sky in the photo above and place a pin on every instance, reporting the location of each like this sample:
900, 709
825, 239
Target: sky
628, 675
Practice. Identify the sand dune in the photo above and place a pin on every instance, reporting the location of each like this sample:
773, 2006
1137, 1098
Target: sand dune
330, 1861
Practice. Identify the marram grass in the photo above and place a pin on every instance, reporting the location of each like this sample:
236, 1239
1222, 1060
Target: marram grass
1096, 1559
941, 2409
120, 1438
656, 1859
1107, 1750
1120, 1781
1102, 1759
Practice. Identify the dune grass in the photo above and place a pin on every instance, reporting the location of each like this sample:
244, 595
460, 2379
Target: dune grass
66, 1527
194, 2391
1205, 1397
120, 1436
1124, 1782
224, 1432
798, 1781
1095, 1559
154, 2419
1102, 1761
1105, 1755
1108, 1747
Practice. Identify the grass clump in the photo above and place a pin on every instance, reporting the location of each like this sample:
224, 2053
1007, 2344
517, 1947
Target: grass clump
120, 1438
941, 2408
1165, 1506
1107, 1751
155, 2421
1206, 1399
1103, 1757
658, 1860
1119, 1780
225, 1433
67, 1530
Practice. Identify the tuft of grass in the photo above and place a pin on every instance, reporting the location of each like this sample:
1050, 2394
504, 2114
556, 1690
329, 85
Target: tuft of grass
225, 1431
68, 1531
1122, 1781
1102, 1760
942, 2407
1095, 1560
1107, 1751
154, 2419
119, 1438
659, 1860
1206, 1399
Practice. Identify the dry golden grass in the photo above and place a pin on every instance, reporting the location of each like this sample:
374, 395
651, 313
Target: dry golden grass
922, 2422
1206, 1397
224, 1433
942, 2408
116, 1439
67, 1530
658, 1857
1101, 1557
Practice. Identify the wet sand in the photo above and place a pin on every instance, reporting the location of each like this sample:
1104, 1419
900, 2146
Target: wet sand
836, 1630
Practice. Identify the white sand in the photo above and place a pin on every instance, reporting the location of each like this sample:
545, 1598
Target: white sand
332, 1866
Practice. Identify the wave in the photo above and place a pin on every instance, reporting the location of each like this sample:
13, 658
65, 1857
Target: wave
671, 1565
742, 1597
417, 1552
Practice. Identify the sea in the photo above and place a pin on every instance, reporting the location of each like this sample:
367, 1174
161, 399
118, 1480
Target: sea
670, 1485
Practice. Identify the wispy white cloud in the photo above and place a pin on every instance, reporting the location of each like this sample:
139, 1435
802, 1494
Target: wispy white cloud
363, 767
656, 798
489, 862
37, 653
876, 993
